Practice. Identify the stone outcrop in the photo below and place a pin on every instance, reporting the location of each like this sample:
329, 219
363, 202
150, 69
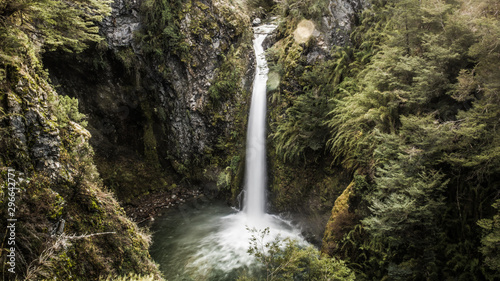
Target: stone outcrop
339, 20
159, 111
124, 21
34, 132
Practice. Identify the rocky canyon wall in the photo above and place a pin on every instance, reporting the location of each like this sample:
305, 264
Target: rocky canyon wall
164, 113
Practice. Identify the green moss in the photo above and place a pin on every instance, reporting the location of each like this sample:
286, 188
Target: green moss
202, 6
150, 146
335, 231
94, 206
235, 161
57, 207
224, 179
127, 57
160, 33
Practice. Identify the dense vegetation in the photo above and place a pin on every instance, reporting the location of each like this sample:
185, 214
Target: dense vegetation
410, 108
289, 260
403, 119
69, 227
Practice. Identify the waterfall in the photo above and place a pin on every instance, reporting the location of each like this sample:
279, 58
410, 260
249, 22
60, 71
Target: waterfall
255, 173
213, 244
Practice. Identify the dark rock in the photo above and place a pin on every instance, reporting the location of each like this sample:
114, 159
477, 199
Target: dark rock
314, 56
36, 134
340, 19
270, 40
158, 112
120, 26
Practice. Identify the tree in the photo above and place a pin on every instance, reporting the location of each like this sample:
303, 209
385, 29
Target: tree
491, 239
405, 206
289, 260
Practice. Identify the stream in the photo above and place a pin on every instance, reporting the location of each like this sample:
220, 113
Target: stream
210, 241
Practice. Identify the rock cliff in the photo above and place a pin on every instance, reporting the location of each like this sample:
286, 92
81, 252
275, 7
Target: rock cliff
177, 112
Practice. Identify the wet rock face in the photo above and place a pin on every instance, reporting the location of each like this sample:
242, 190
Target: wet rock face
187, 98
340, 19
157, 108
120, 26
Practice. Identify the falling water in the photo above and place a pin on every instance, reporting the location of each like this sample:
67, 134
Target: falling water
255, 174
210, 242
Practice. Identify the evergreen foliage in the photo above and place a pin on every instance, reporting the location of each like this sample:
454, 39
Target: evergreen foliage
412, 106
491, 239
412, 123
160, 33
67, 111
405, 213
302, 128
287, 260
227, 82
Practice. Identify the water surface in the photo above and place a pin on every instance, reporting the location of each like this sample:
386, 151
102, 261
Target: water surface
210, 241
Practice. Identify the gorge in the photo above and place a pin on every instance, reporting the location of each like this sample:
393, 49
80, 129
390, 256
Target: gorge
123, 125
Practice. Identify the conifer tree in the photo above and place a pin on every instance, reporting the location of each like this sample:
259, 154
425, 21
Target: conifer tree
405, 207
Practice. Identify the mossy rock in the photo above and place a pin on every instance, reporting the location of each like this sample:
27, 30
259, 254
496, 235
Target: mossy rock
341, 221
